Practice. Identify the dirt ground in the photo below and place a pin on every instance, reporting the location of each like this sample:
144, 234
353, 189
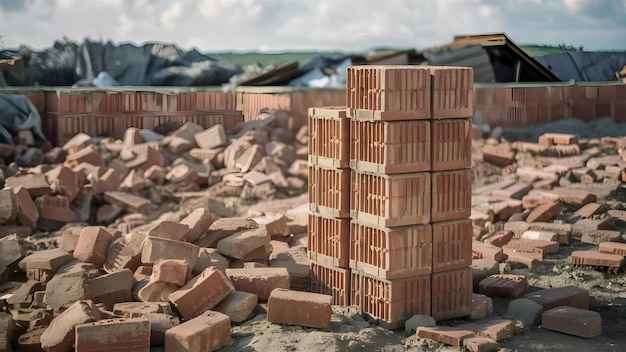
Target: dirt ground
350, 331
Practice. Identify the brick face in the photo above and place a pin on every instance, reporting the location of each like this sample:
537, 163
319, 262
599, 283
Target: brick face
451, 293
329, 240
390, 200
451, 144
451, 195
390, 147
452, 244
388, 92
390, 253
452, 92
329, 192
329, 137
330, 280
392, 302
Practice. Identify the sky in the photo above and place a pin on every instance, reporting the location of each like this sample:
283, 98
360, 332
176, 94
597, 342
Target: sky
279, 25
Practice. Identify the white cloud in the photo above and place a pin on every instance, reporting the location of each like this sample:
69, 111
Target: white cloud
353, 25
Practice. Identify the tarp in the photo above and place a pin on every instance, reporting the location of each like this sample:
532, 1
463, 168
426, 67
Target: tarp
155, 64
584, 66
17, 113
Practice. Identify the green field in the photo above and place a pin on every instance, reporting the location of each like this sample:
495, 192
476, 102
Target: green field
265, 59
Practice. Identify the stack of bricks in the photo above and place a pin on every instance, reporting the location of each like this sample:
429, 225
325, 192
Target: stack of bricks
409, 234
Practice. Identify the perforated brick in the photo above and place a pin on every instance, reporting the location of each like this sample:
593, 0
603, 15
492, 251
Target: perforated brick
452, 244
451, 294
329, 137
390, 147
392, 302
390, 200
451, 195
390, 253
329, 240
452, 91
329, 192
332, 281
388, 92
451, 144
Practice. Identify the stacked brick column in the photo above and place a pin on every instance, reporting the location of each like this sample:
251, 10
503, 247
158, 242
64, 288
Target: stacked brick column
410, 191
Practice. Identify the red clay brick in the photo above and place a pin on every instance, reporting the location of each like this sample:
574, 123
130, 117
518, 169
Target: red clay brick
452, 244
499, 238
515, 191
536, 197
390, 147
201, 293
299, 308
597, 259
391, 253
329, 137
93, 245
208, 331
56, 208
573, 321
480, 344
259, 281
533, 246
169, 229
451, 294
170, 271
329, 240
599, 236
113, 335
113, 288
574, 196
388, 92
451, 144
391, 302
49, 259
108, 181
500, 155
35, 184
124, 253
390, 200
523, 259
482, 250
241, 244
538, 235
212, 137
613, 248
27, 212
329, 192
548, 139
452, 91
445, 334
59, 336
451, 195
493, 328
503, 285
571, 296
545, 212
330, 280
481, 307
238, 306
275, 225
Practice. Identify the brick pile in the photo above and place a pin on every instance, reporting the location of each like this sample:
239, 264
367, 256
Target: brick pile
404, 248
163, 261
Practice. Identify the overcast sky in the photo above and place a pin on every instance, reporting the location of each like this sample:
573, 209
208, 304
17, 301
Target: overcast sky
350, 25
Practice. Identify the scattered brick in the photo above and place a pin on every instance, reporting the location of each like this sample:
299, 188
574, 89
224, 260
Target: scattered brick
600, 236
56, 208
113, 288
27, 212
482, 250
49, 259
480, 344
35, 184
493, 328
499, 238
238, 306
445, 334
198, 222
223, 228
59, 336
259, 281
545, 211
504, 285
573, 321
93, 245
155, 248
613, 248
481, 307
124, 253
571, 296
597, 259
122, 334
208, 331
201, 293
170, 271
522, 259
242, 243
574, 196
299, 308
533, 246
